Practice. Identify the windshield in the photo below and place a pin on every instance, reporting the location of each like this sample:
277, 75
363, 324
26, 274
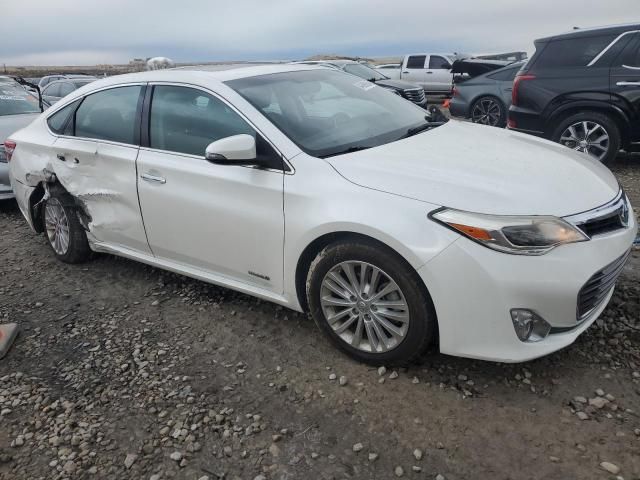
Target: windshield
326, 112
363, 71
16, 100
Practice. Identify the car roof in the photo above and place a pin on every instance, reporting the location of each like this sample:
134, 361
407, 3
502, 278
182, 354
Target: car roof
588, 32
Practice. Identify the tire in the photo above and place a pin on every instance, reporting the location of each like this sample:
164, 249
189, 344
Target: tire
598, 123
65, 235
415, 321
489, 110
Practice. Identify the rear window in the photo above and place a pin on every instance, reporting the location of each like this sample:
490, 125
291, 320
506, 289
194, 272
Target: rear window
59, 120
572, 52
16, 100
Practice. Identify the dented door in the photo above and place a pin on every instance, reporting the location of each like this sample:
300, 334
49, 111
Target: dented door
102, 178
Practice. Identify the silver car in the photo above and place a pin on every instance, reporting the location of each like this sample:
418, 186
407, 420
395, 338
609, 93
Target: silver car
61, 88
18, 108
485, 98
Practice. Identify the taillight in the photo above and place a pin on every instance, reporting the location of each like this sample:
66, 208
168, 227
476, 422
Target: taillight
516, 85
9, 147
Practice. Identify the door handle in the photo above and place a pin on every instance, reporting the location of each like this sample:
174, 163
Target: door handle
405, 72
429, 73
508, 89
61, 157
153, 178
628, 84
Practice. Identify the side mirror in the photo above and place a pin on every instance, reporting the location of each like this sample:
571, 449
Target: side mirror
235, 150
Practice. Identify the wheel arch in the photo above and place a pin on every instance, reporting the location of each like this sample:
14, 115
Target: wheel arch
310, 252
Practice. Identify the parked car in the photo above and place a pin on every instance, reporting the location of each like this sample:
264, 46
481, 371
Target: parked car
432, 71
46, 80
410, 91
54, 91
17, 109
582, 89
392, 231
484, 98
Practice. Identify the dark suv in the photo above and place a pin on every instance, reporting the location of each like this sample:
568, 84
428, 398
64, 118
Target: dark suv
582, 89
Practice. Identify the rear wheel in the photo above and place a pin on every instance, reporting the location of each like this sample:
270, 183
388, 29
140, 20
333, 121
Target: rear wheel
370, 304
593, 133
65, 234
489, 111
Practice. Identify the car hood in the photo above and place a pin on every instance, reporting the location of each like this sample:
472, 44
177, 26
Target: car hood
12, 123
483, 169
397, 84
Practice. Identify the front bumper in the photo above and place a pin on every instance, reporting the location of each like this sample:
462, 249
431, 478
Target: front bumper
474, 288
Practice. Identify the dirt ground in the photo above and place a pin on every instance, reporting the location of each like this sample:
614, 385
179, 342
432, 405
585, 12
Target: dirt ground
126, 371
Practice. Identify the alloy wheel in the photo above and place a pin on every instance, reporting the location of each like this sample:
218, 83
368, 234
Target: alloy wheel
486, 112
364, 306
588, 137
57, 226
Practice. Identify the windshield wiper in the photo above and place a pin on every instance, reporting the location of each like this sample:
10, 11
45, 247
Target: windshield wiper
355, 148
421, 128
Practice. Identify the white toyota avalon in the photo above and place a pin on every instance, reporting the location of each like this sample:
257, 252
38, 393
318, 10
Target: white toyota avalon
324, 193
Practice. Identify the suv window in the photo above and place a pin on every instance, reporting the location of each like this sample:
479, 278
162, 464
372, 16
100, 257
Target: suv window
506, 75
416, 61
186, 120
572, 52
58, 121
438, 62
109, 115
66, 88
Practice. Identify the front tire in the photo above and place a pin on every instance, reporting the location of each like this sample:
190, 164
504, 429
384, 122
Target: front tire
370, 303
593, 133
63, 230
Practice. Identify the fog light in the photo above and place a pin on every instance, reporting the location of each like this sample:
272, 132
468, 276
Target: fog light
529, 326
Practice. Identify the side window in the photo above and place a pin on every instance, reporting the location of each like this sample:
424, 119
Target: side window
186, 120
109, 115
52, 90
573, 52
438, 62
505, 75
66, 88
58, 121
416, 61
631, 56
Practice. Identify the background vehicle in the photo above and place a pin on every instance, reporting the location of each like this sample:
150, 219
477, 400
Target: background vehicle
432, 71
485, 98
582, 89
407, 90
46, 80
54, 91
18, 108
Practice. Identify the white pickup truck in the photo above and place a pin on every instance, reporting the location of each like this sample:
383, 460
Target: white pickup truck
432, 71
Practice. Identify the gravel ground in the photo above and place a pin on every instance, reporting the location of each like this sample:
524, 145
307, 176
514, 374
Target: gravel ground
125, 371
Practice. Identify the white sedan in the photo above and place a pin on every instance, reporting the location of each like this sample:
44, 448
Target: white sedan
324, 193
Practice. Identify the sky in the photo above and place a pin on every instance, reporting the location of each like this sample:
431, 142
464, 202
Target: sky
90, 32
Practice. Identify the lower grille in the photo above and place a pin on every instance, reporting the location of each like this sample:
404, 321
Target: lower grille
416, 95
593, 293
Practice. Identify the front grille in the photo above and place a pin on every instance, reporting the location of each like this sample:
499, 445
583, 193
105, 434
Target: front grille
608, 218
593, 293
416, 95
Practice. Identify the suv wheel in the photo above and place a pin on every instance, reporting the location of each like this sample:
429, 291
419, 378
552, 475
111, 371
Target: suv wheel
489, 111
64, 232
593, 133
368, 301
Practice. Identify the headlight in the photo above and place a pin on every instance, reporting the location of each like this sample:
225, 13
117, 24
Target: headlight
521, 235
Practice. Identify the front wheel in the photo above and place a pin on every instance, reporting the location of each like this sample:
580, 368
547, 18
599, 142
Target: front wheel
593, 133
370, 303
